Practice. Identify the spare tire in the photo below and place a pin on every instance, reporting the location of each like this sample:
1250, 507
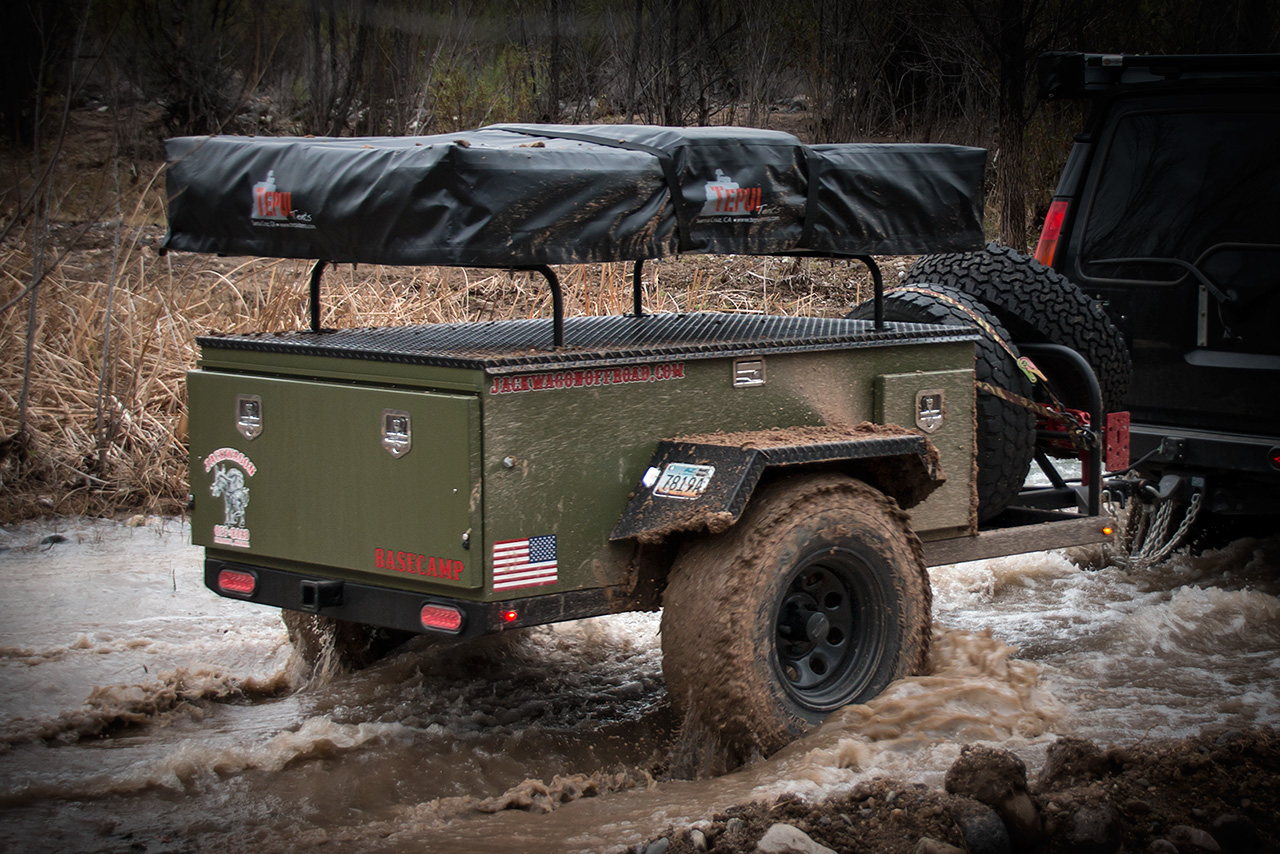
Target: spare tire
1038, 305
1005, 430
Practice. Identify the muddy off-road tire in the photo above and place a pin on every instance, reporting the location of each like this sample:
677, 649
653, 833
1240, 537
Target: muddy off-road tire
1038, 305
327, 645
815, 599
1006, 439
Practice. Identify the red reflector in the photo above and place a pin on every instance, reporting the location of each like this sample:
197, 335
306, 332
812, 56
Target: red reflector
237, 582
509, 616
1117, 442
1048, 245
441, 617
1275, 458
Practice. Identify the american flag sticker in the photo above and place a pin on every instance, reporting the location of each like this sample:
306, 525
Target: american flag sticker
529, 562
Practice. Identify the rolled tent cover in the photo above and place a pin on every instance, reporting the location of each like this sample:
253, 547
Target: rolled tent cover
522, 195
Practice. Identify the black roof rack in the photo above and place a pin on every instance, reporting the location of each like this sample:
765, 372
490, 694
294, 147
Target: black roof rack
1083, 75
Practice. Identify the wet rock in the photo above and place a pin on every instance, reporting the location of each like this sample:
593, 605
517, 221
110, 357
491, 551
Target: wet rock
1162, 846
785, 839
998, 779
1070, 761
1137, 807
1095, 830
1235, 833
629, 691
933, 846
982, 829
658, 846
1228, 737
861, 791
698, 840
1192, 840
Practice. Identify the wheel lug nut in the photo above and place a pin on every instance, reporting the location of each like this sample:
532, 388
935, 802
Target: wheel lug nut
817, 627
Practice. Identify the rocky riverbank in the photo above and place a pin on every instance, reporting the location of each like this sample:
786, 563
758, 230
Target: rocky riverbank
1216, 792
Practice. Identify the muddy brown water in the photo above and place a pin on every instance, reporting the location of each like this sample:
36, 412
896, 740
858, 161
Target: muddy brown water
139, 712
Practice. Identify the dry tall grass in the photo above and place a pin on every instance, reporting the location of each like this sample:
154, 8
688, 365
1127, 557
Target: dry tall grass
126, 451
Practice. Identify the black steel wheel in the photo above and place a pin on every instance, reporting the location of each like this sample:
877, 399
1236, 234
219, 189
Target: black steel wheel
816, 599
830, 630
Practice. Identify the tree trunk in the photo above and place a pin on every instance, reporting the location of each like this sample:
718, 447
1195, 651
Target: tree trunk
1011, 193
557, 49
633, 73
672, 109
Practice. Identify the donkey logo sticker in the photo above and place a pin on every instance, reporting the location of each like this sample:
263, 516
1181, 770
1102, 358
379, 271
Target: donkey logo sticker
230, 468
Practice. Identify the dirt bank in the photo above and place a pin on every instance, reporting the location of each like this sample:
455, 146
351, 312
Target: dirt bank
1214, 792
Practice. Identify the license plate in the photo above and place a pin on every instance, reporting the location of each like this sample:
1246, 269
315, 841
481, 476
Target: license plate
682, 480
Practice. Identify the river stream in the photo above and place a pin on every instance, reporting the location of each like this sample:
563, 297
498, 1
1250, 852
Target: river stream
140, 712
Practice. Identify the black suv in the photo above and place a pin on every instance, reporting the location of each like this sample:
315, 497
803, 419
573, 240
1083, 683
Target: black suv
1167, 211
1162, 245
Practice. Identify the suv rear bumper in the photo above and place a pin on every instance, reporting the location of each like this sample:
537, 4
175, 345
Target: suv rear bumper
1205, 450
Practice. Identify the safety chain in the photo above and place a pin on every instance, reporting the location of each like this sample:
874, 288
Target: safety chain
1152, 544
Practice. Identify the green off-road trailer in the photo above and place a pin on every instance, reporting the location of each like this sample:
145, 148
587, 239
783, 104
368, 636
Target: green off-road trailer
777, 485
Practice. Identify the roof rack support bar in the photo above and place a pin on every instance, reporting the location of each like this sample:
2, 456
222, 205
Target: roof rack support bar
316, 272
877, 282
637, 289
557, 303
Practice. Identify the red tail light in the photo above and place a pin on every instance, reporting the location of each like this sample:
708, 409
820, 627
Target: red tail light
443, 618
1048, 245
236, 582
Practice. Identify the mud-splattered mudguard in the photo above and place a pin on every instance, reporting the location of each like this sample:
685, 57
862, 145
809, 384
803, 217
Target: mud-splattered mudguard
701, 483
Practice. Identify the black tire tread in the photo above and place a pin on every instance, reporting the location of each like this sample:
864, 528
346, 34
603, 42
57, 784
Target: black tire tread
1036, 304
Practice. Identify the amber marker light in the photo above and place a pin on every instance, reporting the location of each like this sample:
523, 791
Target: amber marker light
1107, 530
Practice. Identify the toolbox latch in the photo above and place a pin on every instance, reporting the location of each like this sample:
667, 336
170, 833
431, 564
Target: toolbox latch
397, 432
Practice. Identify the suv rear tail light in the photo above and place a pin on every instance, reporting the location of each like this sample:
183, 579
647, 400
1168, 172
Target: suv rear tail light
1048, 245
237, 582
442, 618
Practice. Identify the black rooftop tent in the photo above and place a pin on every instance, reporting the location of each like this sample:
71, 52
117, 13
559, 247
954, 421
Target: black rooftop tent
524, 195
528, 196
